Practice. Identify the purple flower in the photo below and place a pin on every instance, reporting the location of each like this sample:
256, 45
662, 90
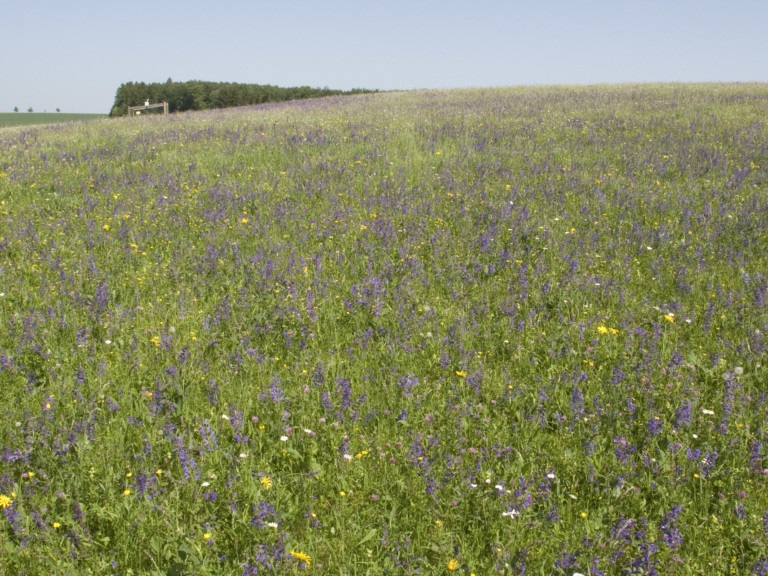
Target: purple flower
276, 393
208, 436
577, 404
213, 392
668, 526
655, 426
760, 568
344, 389
623, 449
325, 399
210, 496
683, 415
318, 375
407, 384
11, 514
263, 513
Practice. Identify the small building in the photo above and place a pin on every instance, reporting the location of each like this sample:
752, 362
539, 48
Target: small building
136, 110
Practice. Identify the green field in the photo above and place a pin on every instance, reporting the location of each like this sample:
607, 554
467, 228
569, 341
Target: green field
491, 331
30, 118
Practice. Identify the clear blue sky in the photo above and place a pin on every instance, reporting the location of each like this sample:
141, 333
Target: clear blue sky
74, 54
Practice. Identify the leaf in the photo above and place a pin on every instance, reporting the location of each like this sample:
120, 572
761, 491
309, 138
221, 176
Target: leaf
369, 536
392, 515
295, 453
315, 468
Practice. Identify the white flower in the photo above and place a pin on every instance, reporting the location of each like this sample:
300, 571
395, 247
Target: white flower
224, 417
205, 484
551, 476
348, 457
283, 438
511, 514
738, 370
243, 455
705, 411
272, 524
500, 488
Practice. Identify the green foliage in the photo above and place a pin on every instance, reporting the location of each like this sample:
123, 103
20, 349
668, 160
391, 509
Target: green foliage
200, 95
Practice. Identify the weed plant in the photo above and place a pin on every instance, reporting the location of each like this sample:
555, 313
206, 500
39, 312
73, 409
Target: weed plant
500, 331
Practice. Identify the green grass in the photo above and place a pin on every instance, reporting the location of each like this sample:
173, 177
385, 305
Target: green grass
495, 331
31, 118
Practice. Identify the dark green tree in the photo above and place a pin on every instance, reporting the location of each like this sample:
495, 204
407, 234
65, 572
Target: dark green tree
201, 95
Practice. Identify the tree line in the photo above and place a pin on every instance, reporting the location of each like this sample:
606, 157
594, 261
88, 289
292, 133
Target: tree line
202, 95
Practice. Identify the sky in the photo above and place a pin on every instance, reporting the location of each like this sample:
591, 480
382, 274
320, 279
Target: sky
74, 55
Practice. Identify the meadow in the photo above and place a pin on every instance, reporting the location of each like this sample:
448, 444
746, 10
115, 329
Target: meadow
31, 118
487, 331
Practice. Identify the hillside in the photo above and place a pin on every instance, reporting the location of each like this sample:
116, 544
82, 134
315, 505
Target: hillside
511, 330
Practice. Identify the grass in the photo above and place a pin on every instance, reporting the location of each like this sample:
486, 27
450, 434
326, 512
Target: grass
476, 331
32, 118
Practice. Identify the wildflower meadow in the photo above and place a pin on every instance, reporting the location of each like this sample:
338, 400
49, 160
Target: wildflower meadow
488, 331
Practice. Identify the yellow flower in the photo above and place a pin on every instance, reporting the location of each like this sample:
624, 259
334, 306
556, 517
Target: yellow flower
453, 564
584, 514
669, 317
5, 501
56, 525
127, 492
301, 557
207, 536
266, 481
461, 374
606, 330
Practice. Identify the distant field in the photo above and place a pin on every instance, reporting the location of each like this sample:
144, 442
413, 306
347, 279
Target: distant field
27, 118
